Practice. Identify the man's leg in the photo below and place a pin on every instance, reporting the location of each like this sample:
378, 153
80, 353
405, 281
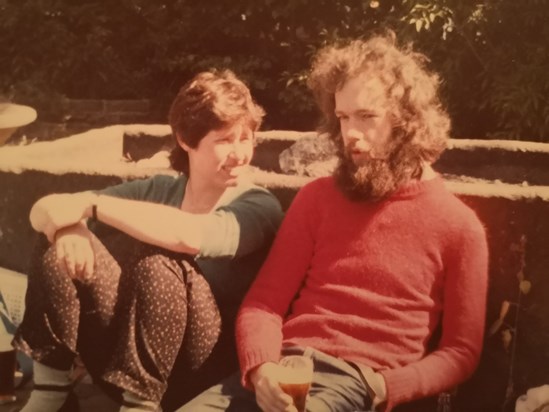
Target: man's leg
229, 395
336, 387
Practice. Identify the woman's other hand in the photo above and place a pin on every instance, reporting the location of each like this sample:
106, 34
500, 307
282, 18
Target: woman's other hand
268, 394
75, 252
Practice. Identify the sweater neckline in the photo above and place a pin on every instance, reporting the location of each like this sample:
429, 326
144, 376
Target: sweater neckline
416, 187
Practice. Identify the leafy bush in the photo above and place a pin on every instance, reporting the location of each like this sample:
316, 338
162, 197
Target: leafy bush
492, 55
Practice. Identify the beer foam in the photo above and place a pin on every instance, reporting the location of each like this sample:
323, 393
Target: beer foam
294, 377
295, 370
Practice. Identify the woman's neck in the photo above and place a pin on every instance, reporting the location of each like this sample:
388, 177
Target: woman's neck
200, 197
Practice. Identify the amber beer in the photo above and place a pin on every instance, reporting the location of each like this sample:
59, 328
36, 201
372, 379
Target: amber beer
295, 378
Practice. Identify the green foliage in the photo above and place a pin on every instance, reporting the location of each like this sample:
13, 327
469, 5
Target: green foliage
494, 61
492, 55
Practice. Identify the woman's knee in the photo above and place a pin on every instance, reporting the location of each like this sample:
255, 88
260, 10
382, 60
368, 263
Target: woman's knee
157, 280
158, 267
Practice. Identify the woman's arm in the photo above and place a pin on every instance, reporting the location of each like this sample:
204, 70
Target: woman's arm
53, 212
160, 225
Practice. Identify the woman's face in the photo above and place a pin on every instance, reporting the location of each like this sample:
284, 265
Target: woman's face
222, 155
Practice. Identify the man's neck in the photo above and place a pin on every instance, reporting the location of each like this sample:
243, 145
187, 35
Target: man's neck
427, 172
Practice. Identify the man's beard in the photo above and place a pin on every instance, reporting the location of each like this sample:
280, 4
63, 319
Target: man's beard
377, 179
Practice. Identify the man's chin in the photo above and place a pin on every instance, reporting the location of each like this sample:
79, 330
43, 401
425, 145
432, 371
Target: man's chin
371, 182
360, 160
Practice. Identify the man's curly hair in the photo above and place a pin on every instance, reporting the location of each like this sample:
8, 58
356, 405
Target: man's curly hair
415, 109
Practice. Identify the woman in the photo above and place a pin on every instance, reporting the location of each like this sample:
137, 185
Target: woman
191, 246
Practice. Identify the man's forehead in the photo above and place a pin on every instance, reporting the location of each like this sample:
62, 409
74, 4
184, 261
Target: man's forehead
365, 92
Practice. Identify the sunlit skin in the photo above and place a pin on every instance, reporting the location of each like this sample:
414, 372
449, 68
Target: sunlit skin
222, 155
361, 107
215, 164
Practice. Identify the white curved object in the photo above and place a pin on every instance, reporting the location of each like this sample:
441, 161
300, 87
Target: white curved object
13, 116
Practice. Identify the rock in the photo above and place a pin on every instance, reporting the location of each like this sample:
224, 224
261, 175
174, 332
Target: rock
312, 156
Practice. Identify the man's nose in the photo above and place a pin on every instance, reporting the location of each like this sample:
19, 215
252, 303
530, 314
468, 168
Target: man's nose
353, 133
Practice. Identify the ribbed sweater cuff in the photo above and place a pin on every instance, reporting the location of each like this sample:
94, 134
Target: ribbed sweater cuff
398, 385
253, 358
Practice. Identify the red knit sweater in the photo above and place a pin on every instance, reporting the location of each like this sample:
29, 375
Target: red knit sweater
370, 282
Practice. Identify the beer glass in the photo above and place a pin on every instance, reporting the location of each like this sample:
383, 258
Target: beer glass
296, 376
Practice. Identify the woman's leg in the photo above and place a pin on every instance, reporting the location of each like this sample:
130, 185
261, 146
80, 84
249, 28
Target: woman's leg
162, 303
49, 329
55, 303
56, 306
127, 325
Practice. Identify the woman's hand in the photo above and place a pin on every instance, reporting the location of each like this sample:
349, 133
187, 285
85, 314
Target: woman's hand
268, 394
54, 212
74, 251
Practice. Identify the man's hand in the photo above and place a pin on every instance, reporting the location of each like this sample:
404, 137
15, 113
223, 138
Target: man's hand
376, 386
268, 394
57, 211
74, 251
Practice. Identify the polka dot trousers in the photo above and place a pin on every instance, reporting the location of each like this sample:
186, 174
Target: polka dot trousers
127, 323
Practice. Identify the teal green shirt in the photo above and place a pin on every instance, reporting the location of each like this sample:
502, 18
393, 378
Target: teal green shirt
238, 233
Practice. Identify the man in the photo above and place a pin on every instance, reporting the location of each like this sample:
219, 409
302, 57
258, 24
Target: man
368, 262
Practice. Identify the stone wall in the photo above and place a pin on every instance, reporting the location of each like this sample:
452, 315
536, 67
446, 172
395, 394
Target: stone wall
494, 178
70, 116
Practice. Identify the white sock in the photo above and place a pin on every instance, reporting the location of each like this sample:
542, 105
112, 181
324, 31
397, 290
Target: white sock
47, 400
133, 403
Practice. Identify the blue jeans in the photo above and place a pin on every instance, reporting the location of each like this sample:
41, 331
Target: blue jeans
336, 387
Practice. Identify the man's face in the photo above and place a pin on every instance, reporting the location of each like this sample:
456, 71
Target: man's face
372, 164
361, 107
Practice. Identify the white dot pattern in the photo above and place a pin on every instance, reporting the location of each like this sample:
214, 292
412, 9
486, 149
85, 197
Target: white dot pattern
128, 323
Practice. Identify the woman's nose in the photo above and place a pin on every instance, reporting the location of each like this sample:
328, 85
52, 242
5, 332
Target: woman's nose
238, 151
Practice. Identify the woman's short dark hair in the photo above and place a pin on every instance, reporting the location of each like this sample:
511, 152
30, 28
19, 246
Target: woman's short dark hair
209, 101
